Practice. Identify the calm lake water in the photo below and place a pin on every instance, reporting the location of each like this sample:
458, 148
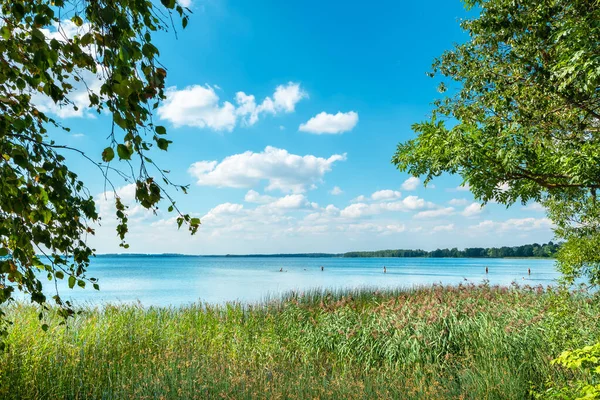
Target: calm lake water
164, 281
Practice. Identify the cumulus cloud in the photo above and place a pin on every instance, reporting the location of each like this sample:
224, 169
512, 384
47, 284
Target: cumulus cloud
254, 197
282, 170
411, 183
324, 123
286, 96
472, 210
220, 214
336, 191
463, 188
359, 199
514, 224
410, 203
458, 202
291, 202
357, 210
386, 195
199, 106
227, 208
440, 212
415, 203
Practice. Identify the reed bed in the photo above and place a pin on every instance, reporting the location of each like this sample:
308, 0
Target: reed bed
463, 342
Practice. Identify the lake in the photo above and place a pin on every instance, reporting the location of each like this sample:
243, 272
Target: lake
175, 280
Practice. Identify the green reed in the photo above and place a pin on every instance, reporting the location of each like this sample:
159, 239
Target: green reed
470, 342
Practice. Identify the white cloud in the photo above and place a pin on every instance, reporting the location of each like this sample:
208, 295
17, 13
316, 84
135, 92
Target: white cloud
386, 195
534, 207
291, 202
199, 106
514, 224
282, 170
443, 228
410, 203
472, 210
226, 208
357, 210
219, 215
254, 197
458, 202
185, 3
332, 210
330, 123
463, 188
440, 212
336, 191
413, 203
359, 199
411, 183
286, 97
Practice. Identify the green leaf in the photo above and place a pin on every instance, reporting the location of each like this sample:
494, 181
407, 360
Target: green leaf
45, 327
123, 152
77, 20
3, 251
5, 32
108, 154
168, 3
161, 130
108, 15
163, 144
72, 281
38, 34
59, 275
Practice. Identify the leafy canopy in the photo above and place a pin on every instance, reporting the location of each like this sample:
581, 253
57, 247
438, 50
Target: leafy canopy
521, 118
47, 49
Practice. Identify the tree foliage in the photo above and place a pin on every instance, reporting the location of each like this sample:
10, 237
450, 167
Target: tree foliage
528, 250
47, 49
522, 115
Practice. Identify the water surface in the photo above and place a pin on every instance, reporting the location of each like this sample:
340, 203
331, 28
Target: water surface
164, 281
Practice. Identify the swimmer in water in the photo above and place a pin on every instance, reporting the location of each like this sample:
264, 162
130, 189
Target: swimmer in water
384, 270
322, 268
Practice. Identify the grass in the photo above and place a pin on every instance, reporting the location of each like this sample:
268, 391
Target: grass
468, 342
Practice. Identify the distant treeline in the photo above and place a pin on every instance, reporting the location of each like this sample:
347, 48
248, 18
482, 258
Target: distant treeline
546, 250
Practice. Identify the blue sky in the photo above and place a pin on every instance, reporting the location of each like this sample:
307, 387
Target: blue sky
284, 117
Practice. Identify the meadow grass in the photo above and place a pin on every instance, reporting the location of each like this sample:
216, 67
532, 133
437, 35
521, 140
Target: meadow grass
469, 342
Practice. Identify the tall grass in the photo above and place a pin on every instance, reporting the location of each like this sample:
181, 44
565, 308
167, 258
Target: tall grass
470, 342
